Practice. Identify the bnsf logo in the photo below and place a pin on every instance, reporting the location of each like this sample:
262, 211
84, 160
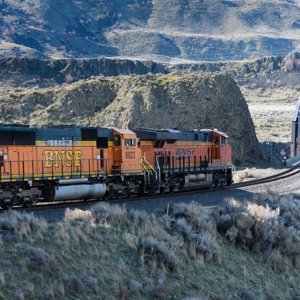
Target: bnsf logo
185, 151
61, 158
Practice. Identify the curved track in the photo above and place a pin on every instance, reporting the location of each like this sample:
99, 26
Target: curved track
53, 205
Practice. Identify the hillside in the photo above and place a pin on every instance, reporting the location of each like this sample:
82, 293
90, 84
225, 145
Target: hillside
184, 101
269, 84
239, 251
151, 29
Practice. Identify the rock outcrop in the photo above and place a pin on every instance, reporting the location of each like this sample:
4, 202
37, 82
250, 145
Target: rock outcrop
160, 101
291, 62
28, 72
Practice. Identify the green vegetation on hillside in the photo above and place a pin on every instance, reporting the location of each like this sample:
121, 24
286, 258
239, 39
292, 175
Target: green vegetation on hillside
241, 251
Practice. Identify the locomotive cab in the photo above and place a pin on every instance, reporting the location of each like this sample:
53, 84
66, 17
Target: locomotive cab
126, 152
222, 151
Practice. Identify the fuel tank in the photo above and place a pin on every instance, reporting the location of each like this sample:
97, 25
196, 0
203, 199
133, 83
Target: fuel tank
199, 180
79, 192
196, 177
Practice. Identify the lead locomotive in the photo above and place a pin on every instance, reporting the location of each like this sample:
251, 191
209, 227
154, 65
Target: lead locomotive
72, 162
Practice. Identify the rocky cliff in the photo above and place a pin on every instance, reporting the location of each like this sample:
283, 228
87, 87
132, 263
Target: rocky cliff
34, 72
160, 101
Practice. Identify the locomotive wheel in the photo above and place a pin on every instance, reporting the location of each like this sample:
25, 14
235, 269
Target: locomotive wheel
27, 202
7, 204
171, 189
107, 196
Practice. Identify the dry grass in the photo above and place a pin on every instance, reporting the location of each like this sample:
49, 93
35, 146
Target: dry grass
244, 175
254, 173
110, 252
269, 228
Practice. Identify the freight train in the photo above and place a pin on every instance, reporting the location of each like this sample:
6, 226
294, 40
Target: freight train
73, 162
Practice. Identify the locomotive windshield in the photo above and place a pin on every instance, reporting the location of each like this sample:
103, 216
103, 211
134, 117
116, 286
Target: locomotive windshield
117, 140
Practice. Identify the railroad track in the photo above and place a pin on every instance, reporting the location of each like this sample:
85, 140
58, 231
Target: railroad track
78, 203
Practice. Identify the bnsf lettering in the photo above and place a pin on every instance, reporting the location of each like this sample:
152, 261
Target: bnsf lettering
130, 154
185, 152
58, 158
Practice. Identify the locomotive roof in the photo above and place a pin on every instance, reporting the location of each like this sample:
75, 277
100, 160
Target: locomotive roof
163, 134
175, 134
166, 134
123, 131
78, 133
59, 132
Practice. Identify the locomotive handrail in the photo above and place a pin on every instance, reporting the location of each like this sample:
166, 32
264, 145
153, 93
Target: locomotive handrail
146, 170
158, 166
150, 166
36, 168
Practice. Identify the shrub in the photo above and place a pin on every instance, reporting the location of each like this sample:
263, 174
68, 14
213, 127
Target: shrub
156, 253
242, 176
2, 280
207, 245
110, 214
39, 260
91, 283
74, 285
262, 229
276, 260
22, 225
197, 227
138, 218
77, 214
135, 286
200, 218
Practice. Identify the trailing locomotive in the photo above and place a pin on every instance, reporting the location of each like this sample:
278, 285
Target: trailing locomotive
72, 162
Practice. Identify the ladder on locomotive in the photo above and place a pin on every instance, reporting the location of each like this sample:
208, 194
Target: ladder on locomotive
149, 172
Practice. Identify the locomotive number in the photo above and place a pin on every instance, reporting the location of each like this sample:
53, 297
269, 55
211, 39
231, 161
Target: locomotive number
130, 155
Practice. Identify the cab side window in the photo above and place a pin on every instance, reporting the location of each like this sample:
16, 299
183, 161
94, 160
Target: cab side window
117, 140
208, 137
130, 142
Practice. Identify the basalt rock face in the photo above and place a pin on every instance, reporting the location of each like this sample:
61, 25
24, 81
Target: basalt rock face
29, 72
34, 72
183, 101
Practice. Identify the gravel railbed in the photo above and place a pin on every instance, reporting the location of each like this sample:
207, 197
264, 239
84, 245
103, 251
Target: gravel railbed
210, 199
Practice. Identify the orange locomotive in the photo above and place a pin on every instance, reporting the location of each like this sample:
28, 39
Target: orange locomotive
71, 162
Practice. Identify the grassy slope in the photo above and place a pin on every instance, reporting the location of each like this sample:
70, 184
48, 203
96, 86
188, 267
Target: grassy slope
110, 253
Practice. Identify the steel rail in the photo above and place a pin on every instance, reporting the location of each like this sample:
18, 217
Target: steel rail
77, 203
